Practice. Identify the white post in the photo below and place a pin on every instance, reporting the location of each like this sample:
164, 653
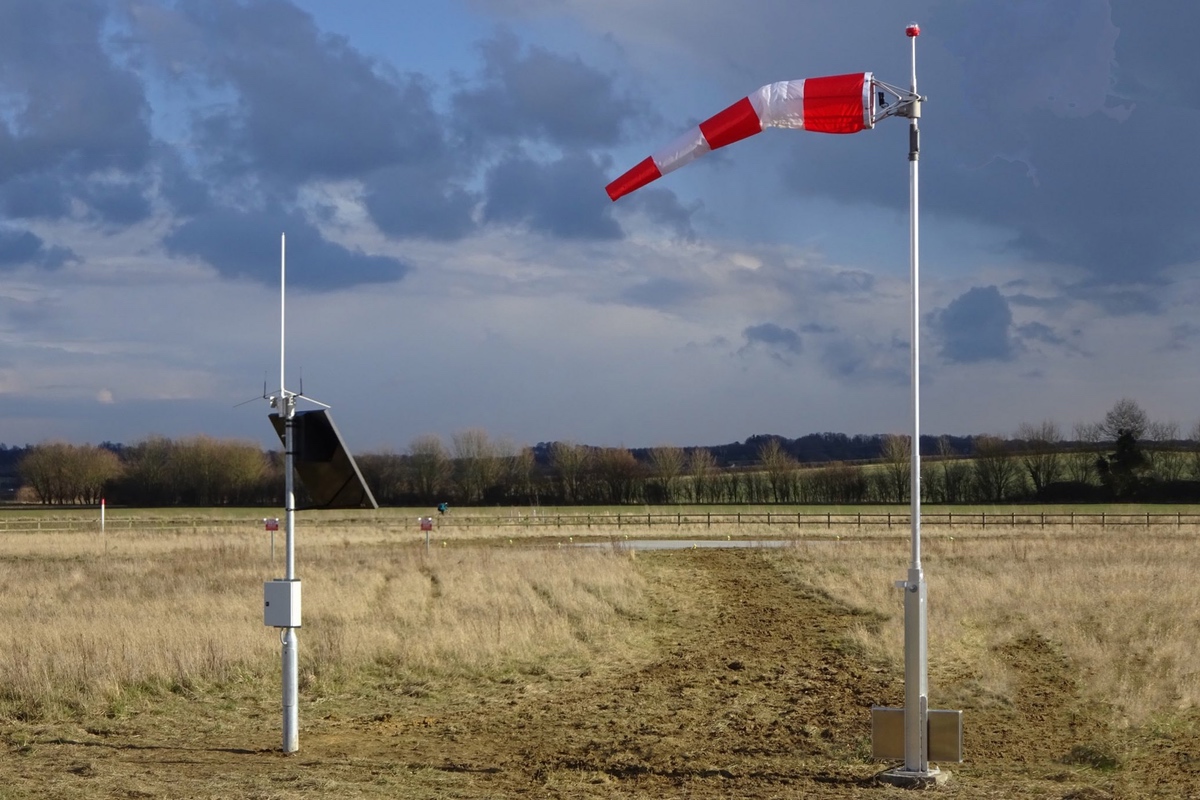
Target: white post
287, 409
101, 516
916, 640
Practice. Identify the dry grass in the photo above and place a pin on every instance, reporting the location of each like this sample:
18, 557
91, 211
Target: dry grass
91, 622
1123, 608
84, 628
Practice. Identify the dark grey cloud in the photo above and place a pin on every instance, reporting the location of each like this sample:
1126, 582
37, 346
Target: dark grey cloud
1056, 303
306, 105
19, 247
860, 360
538, 94
22, 247
76, 123
66, 101
976, 326
659, 293
116, 202
1058, 122
281, 104
780, 342
1182, 338
846, 281
562, 198
186, 194
663, 207
417, 200
1156, 54
284, 104
245, 244
1118, 300
35, 195
1039, 332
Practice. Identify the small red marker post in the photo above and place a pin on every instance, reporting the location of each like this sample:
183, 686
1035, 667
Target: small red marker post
426, 526
272, 524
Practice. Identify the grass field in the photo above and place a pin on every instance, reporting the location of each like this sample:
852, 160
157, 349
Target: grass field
114, 649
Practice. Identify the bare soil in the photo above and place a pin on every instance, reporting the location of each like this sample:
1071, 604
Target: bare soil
751, 691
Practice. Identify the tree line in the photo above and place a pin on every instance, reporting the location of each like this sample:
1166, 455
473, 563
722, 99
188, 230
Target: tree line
1123, 457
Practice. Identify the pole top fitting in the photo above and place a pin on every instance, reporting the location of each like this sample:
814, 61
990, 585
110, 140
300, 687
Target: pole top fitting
913, 30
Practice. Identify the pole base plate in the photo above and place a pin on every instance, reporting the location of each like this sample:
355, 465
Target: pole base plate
914, 780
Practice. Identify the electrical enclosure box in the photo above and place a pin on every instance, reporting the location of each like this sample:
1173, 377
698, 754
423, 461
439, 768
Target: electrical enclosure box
281, 604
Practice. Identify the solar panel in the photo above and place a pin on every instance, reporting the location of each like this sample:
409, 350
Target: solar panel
324, 463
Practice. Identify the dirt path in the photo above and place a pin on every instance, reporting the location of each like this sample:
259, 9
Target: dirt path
751, 697
752, 693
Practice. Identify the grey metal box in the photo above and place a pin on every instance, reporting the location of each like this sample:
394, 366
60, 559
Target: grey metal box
281, 604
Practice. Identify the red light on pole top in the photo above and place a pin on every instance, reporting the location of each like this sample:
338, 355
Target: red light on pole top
913, 29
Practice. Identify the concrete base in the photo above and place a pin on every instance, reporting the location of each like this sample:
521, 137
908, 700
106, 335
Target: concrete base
915, 780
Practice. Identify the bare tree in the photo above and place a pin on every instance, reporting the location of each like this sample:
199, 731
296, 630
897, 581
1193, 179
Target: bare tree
619, 474
476, 463
702, 466
431, 468
1166, 461
1194, 450
387, 474
569, 462
519, 472
780, 469
149, 476
955, 472
896, 453
1041, 453
61, 473
1125, 416
995, 469
838, 483
98, 467
1079, 465
667, 462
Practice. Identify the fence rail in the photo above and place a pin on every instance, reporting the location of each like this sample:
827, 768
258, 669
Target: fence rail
600, 522
828, 520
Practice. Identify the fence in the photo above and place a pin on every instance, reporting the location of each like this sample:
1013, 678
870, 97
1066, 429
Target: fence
609, 522
828, 520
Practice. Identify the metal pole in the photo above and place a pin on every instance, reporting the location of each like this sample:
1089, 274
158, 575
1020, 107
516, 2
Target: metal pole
291, 718
916, 642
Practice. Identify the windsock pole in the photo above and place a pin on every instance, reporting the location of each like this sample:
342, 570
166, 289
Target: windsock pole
916, 626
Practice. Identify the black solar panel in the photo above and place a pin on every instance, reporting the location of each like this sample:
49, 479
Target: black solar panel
323, 462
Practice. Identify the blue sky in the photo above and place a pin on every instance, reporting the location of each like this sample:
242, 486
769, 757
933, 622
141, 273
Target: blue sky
454, 262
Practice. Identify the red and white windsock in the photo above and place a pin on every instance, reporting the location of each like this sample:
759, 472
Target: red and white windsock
834, 104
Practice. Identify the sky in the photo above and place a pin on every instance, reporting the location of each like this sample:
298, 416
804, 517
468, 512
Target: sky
453, 261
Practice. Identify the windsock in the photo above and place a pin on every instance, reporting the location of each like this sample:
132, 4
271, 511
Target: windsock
834, 104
